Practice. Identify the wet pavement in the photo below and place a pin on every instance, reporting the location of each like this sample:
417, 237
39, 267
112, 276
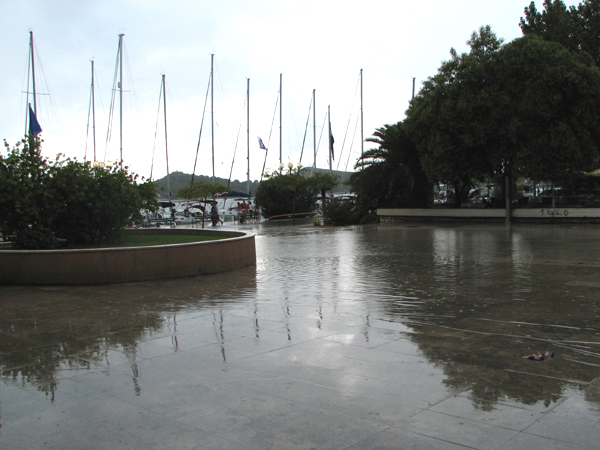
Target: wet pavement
375, 337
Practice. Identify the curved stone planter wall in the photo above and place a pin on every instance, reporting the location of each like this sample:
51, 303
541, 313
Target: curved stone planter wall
127, 264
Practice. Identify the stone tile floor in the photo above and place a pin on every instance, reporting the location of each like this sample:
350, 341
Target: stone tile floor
356, 338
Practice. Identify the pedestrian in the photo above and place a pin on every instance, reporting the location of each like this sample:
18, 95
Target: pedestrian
214, 214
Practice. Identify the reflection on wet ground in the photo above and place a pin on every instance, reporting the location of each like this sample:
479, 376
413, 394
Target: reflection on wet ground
347, 338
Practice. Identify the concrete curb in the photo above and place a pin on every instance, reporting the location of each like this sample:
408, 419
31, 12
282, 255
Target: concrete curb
529, 215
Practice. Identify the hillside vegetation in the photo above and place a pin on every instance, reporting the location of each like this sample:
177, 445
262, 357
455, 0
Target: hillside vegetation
180, 180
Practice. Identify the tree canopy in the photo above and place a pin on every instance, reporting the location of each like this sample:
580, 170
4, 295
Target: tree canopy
201, 190
547, 110
528, 108
576, 28
449, 120
291, 191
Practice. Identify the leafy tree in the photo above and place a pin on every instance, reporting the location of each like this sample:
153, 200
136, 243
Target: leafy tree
546, 111
291, 192
447, 121
179, 180
323, 182
391, 174
201, 191
529, 108
576, 28
47, 204
555, 23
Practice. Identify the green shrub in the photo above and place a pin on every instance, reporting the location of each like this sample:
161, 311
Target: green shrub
47, 204
344, 212
291, 192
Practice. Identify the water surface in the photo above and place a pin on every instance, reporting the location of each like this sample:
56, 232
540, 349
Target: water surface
378, 327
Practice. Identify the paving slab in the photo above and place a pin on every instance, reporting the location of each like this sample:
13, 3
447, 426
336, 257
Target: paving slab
367, 337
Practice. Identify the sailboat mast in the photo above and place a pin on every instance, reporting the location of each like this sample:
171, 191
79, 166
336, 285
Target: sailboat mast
248, 131
362, 137
280, 116
329, 120
30, 76
166, 141
314, 133
212, 112
121, 99
31, 50
93, 113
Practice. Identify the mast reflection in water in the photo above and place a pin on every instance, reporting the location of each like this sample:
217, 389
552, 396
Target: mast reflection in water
414, 313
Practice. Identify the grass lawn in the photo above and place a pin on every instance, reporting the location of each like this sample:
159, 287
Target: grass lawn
143, 241
154, 239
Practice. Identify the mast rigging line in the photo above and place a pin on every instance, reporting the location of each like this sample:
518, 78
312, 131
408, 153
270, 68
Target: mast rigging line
292, 132
129, 74
29, 60
347, 126
112, 104
33, 58
236, 144
92, 112
269, 140
122, 61
87, 128
164, 86
321, 135
351, 145
49, 94
155, 132
200, 135
306, 129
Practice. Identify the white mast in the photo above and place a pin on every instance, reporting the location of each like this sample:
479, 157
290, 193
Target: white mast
32, 66
314, 133
330, 145
121, 98
93, 113
280, 116
166, 145
33, 72
212, 113
248, 131
362, 137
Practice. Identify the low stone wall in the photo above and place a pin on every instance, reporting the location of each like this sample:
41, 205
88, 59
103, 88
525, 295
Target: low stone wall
127, 264
524, 215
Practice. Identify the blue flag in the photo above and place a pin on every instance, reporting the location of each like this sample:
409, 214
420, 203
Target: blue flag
261, 144
34, 125
331, 141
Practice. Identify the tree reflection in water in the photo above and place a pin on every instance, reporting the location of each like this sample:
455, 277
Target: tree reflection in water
469, 301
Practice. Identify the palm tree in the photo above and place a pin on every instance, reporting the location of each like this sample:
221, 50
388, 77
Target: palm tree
390, 175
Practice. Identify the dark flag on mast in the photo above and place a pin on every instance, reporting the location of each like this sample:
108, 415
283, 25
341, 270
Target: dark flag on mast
34, 125
261, 144
331, 141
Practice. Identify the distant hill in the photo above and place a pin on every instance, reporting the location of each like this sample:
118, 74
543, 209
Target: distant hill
180, 180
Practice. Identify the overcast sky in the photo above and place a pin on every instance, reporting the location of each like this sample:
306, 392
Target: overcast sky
318, 44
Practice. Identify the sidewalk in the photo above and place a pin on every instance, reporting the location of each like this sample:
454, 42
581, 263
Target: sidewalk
368, 338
